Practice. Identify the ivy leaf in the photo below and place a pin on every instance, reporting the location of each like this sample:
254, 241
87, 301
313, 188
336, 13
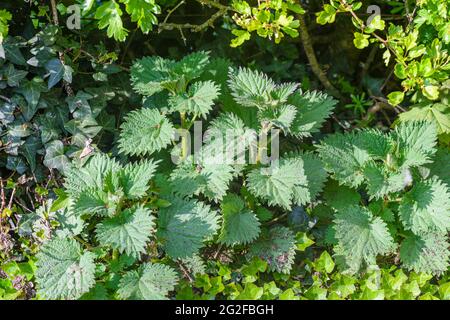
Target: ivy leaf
184, 225
64, 270
152, 281
128, 232
109, 14
56, 70
428, 253
145, 131
14, 76
198, 100
361, 237
426, 207
55, 157
240, 225
31, 90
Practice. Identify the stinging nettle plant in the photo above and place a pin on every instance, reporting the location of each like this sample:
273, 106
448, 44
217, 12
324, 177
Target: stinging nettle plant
132, 224
392, 197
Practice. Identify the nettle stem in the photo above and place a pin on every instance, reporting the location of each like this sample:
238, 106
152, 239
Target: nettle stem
184, 138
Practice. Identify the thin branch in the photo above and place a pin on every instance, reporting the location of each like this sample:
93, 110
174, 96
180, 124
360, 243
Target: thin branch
310, 54
222, 10
172, 10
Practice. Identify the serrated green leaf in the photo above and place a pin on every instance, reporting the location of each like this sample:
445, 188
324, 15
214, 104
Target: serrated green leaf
361, 237
152, 281
145, 131
64, 271
240, 225
128, 232
184, 225
198, 100
277, 248
426, 207
428, 253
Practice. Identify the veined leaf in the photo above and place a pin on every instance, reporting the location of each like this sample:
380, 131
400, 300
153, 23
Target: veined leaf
152, 281
240, 225
64, 270
128, 232
145, 131
361, 237
184, 225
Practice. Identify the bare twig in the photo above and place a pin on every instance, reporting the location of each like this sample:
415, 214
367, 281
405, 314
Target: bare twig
185, 272
5, 98
12, 197
310, 54
222, 10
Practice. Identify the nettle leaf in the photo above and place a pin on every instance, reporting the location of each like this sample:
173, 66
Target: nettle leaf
152, 281
145, 131
64, 271
198, 100
281, 117
208, 177
143, 13
313, 108
55, 157
439, 167
184, 225
276, 247
315, 173
240, 225
417, 140
380, 181
281, 184
195, 265
92, 175
435, 112
361, 237
426, 207
340, 197
154, 74
346, 155
134, 178
250, 88
228, 136
192, 65
128, 232
109, 16
150, 75
428, 253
